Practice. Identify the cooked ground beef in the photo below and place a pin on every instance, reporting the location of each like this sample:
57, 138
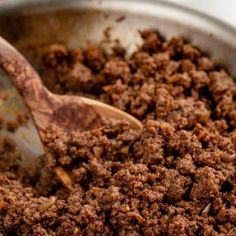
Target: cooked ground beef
174, 177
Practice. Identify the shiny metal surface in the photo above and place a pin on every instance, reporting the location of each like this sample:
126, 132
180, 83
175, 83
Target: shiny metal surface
32, 24
26, 137
77, 22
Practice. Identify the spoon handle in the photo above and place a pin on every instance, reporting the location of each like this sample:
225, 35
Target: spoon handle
67, 112
20, 71
28, 83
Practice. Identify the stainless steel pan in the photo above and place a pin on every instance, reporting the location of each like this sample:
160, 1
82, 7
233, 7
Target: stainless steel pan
37, 22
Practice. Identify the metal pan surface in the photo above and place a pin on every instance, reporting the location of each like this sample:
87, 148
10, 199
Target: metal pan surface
79, 22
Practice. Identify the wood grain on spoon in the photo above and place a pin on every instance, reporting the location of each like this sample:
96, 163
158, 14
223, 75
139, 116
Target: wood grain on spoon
67, 112
71, 113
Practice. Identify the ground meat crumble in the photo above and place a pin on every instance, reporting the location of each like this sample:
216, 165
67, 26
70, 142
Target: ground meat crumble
175, 177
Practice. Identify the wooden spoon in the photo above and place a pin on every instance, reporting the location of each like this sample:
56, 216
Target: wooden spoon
70, 113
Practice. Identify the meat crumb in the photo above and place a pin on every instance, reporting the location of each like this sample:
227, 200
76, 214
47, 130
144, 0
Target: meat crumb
176, 176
